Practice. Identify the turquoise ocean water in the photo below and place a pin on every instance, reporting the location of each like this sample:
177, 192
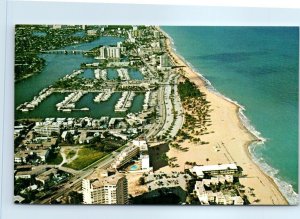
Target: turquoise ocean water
258, 68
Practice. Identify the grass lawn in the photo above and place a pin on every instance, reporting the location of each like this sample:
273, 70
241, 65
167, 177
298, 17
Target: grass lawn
56, 159
86, 156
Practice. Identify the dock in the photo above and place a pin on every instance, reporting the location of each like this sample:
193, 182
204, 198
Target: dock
101, 74
125, 101
43, 94
68, 104
123, 74
103, 96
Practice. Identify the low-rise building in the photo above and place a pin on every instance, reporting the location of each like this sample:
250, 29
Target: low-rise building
20, 157
46, 129
30, 173
222, 169
92, 32
45, 176
43, 154
206, 197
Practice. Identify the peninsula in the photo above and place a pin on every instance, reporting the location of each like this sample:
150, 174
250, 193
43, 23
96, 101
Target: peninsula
127, 121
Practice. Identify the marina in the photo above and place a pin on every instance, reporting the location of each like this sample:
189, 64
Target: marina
38, 100
103, 96
101, 74
125, 101
68, 104
123, 74
27, 106
146, 100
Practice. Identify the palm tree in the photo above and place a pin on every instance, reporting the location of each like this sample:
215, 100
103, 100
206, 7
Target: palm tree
207, 159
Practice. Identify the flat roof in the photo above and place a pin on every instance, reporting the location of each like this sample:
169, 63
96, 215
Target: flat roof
199, 169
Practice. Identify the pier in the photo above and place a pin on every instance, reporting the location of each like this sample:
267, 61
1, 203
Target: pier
68, 104
43, 94
123, 74
101, 74
73, 74
103, 96
146, 100
125, 101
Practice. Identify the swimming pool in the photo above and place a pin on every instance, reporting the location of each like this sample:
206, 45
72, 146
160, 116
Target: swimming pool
134, 167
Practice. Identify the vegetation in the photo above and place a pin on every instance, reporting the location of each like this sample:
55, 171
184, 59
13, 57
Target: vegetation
142, 180
188, 89
54, 157
71, 154
75, 198
28, 45
86, 156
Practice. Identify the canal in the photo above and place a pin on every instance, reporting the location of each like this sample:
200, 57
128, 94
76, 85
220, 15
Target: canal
57, 66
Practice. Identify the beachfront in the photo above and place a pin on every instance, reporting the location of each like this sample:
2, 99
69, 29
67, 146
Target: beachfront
230, 140
179, 125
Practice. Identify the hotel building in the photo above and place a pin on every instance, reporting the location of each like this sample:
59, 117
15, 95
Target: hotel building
110, 52
100, 188
125, 156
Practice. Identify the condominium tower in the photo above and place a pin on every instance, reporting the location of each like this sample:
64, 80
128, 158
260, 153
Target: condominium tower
100, 188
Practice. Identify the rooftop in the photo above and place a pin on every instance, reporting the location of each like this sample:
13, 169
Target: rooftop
98, 180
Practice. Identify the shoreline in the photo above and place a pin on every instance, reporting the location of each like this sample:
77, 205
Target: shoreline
250, 166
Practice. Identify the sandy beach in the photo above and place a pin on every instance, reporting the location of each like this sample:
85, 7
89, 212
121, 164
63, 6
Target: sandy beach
228, 140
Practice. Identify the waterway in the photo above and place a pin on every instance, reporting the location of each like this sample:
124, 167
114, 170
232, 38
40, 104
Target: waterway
59, 65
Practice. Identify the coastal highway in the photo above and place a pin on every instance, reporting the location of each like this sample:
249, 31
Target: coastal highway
162, 114
75, 181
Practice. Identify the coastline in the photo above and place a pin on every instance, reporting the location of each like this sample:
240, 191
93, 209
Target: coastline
224, 109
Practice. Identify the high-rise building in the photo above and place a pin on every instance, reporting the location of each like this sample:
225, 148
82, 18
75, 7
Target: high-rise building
56, 26
92, 32
125, 156
110, 52
113, 52
100, 188
164, 61
103, 53
156, 34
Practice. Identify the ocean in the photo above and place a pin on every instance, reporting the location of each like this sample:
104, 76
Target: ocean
257, 67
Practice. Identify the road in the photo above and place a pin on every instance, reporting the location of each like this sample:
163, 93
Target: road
75, 182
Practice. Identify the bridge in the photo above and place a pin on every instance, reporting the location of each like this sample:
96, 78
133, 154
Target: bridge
61, 51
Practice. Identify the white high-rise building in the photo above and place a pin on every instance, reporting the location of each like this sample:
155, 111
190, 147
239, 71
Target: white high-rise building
145, 161
164, 61
114, 52
156, 34
56, 26
92, 32
102, 189
110, 52
103, 53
